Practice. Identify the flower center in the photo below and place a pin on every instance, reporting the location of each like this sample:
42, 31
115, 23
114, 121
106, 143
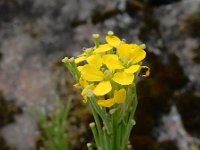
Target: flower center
89, 51
107, 75
126, 62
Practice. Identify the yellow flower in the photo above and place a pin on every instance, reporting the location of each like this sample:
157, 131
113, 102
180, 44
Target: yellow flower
104, 67
125, 62
130, 53
119, 97
92, 74
108, 69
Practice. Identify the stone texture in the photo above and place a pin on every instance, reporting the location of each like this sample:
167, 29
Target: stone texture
21, 134
34, 34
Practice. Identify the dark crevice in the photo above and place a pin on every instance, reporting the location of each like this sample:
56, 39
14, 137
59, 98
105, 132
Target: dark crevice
100, 16
97, 16
3, 145
1, 55
12, 8
155, 99
76, 23
159, 2
8, 109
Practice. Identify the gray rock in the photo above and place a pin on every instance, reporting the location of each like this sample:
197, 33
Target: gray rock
21, 134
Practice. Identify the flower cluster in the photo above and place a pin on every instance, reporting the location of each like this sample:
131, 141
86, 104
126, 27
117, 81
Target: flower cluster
106, 74
106, 70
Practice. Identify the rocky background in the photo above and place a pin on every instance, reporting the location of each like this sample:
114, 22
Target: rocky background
36, 34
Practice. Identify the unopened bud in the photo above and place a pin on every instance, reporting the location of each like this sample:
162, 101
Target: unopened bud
89, 145
71, 59
129, 147
143, 46
95, 36
66, 59
92, 125
110, 33
132, 122
89, 93
112, 111
123, 41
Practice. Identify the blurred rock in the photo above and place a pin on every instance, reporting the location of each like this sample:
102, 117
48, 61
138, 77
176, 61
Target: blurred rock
3, 144
173, 129
35, 33
21, 134
171, 18
159, 2
188, 105
8, 110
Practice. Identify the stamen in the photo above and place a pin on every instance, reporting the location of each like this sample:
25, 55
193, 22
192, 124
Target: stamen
107, 74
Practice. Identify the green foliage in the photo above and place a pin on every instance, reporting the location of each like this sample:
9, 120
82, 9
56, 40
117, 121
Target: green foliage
53, 127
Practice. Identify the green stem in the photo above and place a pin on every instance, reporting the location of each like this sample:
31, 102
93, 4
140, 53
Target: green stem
127, 134
100, 112
95, 134
118, 138
106, 139
134, 103
96, 118
96, 40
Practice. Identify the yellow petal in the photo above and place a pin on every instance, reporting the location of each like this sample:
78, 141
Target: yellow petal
123, 78
80, 59
77, 85
137, 54
147, 73
83, 82
106, 103
95, 60
102, 88
90, 73
112, 62
80, 68
85, 90
103, 48
132, 69
120, 96
113, 40
124, 51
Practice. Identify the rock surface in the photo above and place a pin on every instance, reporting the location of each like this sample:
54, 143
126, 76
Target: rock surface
36, 34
